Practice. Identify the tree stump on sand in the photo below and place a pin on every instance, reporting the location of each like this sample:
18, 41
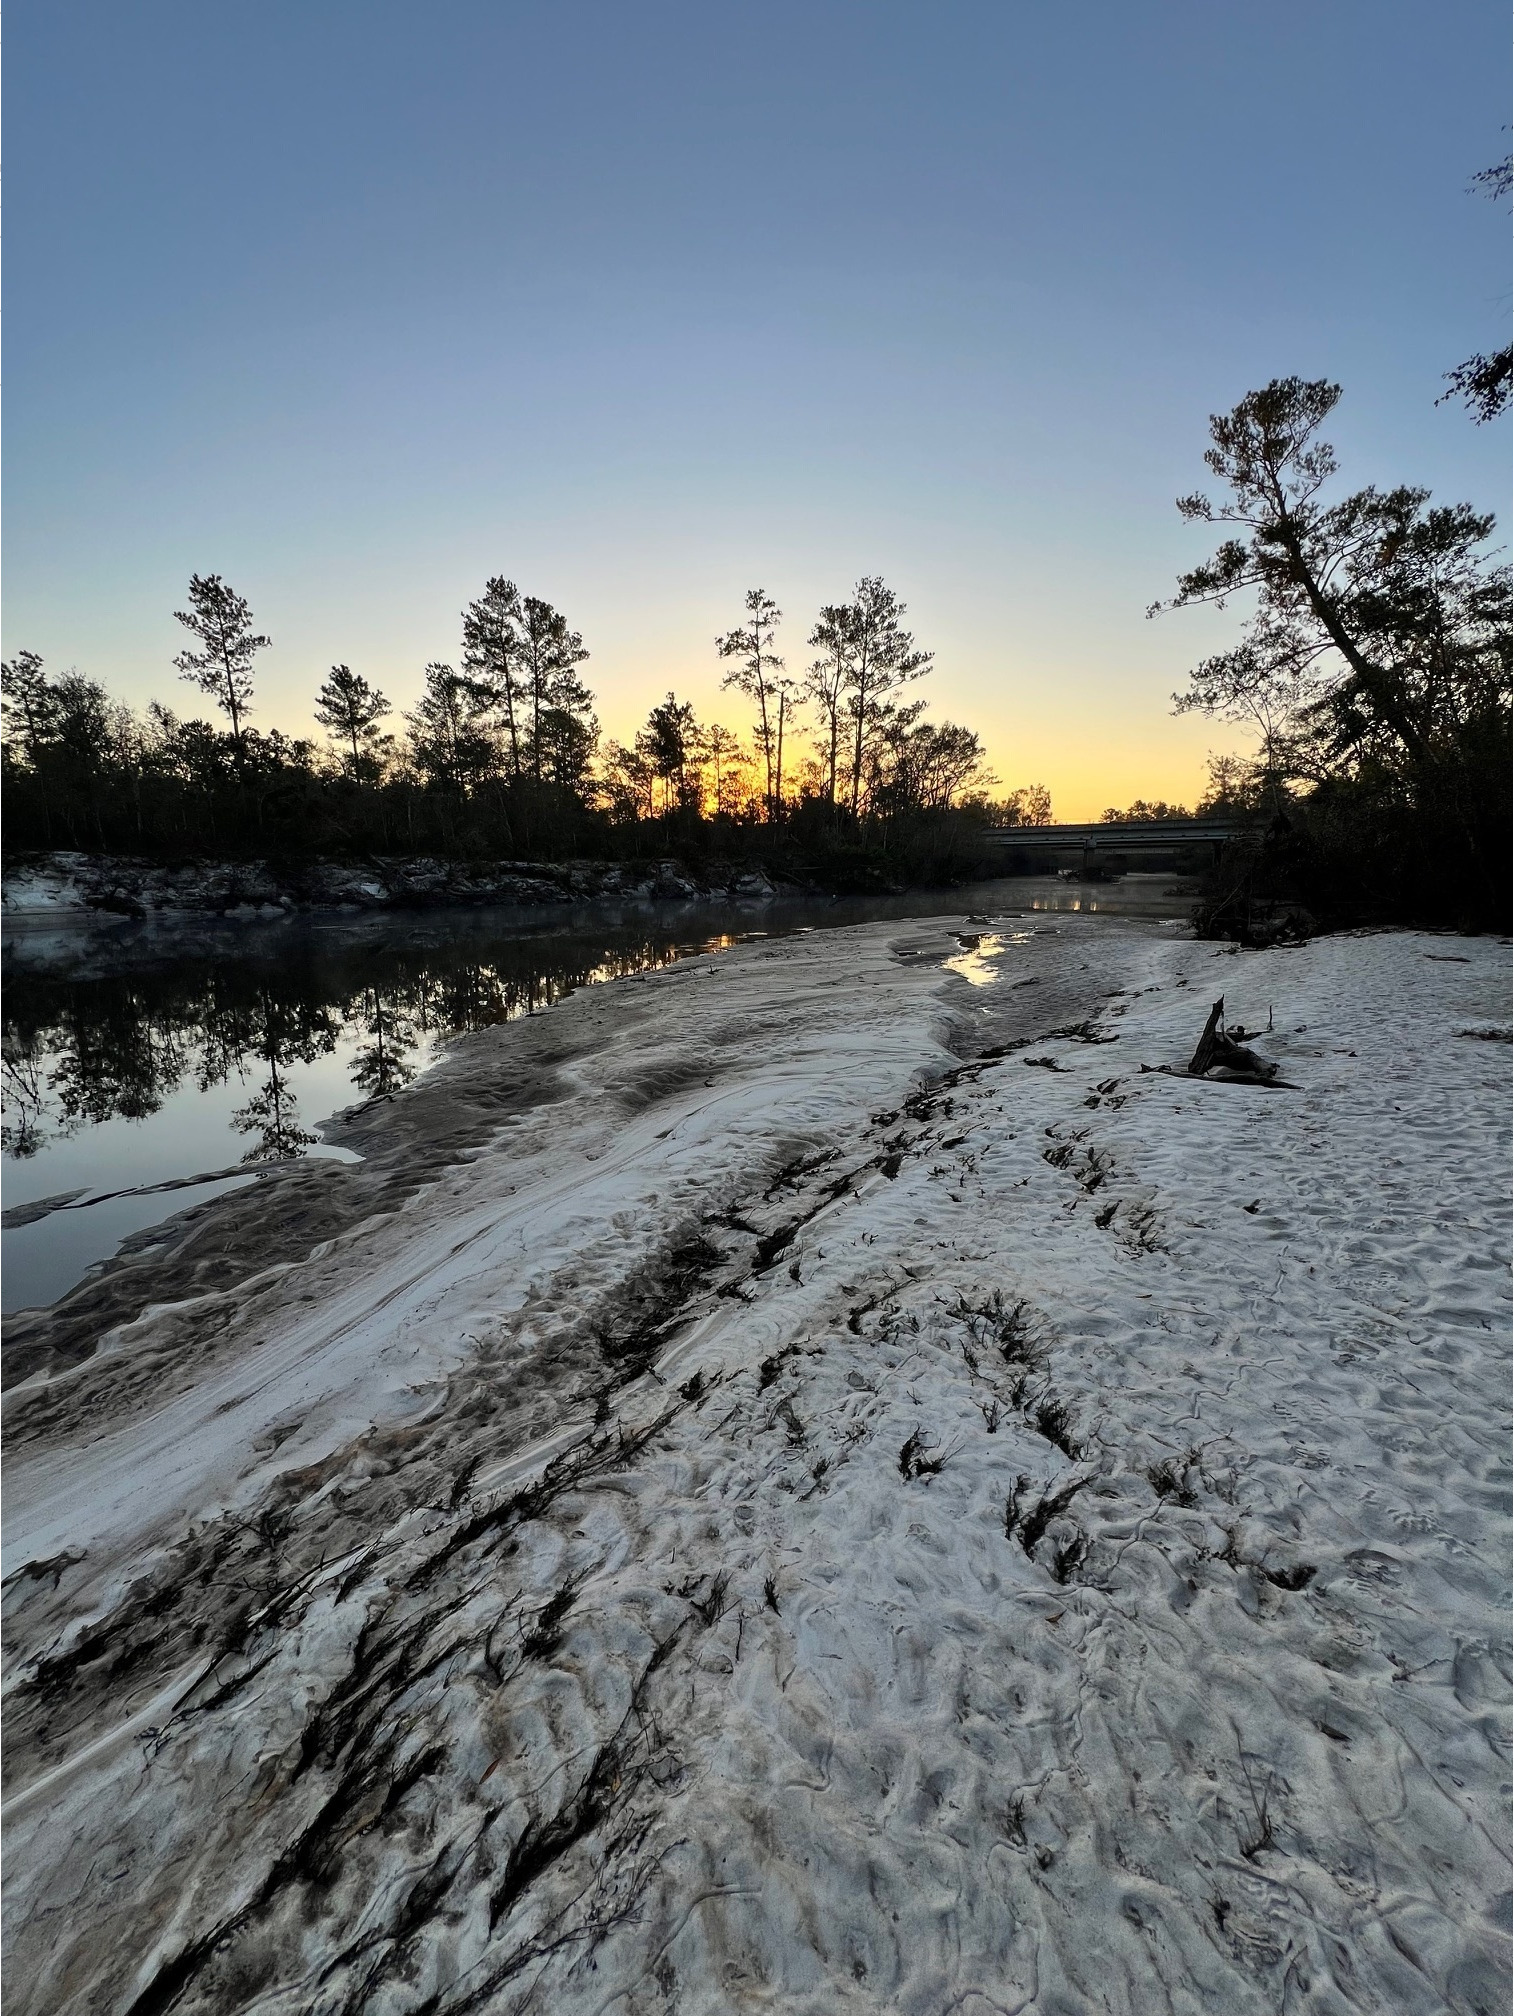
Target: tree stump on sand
1221, 1053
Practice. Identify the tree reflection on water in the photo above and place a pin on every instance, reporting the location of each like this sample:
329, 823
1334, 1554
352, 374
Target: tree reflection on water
286, 1033
382, 1064
80, 1051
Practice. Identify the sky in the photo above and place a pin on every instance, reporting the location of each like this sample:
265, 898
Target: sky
357, 304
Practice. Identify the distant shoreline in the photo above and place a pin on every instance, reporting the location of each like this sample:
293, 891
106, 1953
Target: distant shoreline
70, 887
111, 886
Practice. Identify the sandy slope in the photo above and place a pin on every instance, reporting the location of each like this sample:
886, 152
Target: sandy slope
806, 1521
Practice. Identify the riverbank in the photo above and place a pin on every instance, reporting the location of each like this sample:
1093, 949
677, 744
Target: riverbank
142, 1053
108, 886
846, 1493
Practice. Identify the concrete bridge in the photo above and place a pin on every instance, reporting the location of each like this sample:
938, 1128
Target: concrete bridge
1095, 845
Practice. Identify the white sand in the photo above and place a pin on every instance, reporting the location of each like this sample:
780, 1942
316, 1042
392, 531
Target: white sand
1219, 1723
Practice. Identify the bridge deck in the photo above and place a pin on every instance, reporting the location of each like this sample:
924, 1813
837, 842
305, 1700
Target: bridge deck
1138, 836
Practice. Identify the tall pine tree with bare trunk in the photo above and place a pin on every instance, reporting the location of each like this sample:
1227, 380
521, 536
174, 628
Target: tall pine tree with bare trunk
221, 622
825, 684
754, 671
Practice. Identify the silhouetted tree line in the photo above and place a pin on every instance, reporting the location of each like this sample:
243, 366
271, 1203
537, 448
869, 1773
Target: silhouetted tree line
502, 755
1145, 810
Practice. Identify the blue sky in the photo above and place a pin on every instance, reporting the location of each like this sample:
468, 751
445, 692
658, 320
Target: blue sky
643, 305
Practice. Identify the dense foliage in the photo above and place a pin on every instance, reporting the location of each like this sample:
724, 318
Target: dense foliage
1374, 668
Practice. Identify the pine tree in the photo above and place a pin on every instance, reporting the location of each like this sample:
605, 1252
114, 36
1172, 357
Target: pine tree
666, 745
352, 709
825, 682
492, 653
549, 651
756, 667
881, 658
222, 621
452, 741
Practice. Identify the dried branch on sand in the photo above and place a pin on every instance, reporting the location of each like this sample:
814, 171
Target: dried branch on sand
1220, 1055
1220, 1052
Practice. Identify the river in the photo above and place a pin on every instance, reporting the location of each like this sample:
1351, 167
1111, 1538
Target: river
151, 1066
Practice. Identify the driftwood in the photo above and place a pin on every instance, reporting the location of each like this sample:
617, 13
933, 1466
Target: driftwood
1219, 1051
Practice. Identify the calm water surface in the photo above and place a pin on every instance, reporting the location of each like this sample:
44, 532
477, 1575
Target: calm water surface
138, 1055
